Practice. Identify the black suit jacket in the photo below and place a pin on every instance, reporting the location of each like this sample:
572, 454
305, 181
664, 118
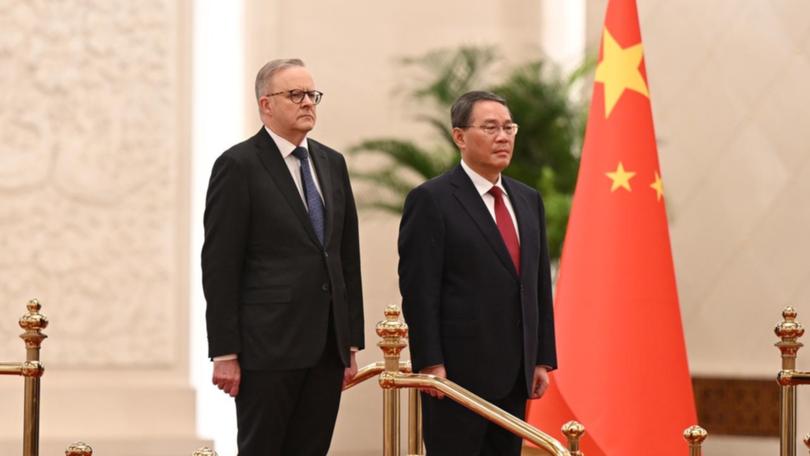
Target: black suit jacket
465, 304
268, 282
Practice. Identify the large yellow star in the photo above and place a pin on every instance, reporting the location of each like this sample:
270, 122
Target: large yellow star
620, 178
619, 70
658, 186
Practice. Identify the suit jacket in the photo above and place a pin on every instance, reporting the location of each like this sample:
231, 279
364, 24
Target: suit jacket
464, 303
269, 284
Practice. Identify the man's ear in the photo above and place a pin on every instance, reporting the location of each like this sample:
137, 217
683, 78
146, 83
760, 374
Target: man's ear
265, 107
458, 138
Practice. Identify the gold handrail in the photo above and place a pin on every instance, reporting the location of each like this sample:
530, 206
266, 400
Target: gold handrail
31, 370
414, 406
478, 405
372, 370
393, 333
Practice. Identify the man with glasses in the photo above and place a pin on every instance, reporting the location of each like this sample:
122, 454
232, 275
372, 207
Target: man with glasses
281, 273
475, 283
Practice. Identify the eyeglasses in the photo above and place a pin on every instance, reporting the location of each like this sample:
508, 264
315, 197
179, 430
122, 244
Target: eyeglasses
297, 96
493, 129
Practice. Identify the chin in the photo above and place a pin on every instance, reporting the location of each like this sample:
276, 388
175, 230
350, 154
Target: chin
306, 125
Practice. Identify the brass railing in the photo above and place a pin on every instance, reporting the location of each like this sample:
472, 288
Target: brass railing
393, 333
789, 331
394, 375
31, 369
83, 449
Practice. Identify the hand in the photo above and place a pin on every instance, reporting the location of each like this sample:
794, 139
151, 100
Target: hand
540, 382
227, 375
351, 371
439, 371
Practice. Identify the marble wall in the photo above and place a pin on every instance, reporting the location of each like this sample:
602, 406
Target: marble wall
94, 159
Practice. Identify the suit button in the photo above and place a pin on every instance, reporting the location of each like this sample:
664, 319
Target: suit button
325, 287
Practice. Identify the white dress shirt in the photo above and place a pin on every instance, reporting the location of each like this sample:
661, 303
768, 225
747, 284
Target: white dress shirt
294, 164
483, 186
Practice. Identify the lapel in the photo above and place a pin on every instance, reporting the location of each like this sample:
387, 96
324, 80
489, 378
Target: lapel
466, 194
322, 168
271, 159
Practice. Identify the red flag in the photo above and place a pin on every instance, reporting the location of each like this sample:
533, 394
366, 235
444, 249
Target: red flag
623, 369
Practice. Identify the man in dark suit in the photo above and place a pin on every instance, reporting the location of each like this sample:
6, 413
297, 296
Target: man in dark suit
475, 281
281, 273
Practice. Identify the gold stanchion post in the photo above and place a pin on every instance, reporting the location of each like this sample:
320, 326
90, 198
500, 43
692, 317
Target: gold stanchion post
79, 449
393, 332
33, 323
204, 451
695, 435
415, 447
789, 331
573, 431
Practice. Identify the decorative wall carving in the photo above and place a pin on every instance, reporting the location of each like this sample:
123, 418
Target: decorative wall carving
736, 406
89, 156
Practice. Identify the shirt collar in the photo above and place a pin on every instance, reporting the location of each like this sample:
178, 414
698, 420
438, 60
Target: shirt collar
482, 185
284, 146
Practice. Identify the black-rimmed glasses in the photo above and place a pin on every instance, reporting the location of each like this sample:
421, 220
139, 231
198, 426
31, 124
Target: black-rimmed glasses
297, 96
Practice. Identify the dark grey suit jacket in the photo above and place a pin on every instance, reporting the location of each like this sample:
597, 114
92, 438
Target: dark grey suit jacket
269, 284
465, 304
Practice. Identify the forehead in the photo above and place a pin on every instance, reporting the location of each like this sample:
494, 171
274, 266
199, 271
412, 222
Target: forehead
295, 77
487, 110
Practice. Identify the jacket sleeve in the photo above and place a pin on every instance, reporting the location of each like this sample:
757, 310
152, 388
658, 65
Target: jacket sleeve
546, 344
421, 262
350, 259
227, 213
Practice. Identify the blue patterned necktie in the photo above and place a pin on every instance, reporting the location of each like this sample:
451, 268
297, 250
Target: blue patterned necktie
313, 199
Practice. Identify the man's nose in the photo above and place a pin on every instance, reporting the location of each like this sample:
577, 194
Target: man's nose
308, 100
501, 136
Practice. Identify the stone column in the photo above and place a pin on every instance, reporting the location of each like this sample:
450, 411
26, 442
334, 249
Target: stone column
94, 182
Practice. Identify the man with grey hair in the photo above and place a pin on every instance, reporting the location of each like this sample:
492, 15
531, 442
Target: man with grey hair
475, 283
281, 273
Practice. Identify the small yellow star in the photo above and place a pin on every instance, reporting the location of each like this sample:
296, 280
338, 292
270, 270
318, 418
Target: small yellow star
658, 186
619, 70
620, 178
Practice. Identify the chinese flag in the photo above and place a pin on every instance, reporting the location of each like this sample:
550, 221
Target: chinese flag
623, 370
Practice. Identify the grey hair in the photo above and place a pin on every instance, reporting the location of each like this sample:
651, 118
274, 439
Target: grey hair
462, 108
270, 69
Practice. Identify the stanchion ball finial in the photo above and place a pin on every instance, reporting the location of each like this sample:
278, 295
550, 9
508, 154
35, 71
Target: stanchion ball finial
695, 434
573, 430
33, 320
79, 449
789, 329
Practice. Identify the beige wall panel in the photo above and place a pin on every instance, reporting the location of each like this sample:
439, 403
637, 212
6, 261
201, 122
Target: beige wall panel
94, 159
731, 105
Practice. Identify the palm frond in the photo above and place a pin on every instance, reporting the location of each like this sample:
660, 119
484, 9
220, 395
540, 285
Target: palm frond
405, 153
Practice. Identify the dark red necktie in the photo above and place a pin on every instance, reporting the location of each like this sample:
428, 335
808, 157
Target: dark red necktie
506, 227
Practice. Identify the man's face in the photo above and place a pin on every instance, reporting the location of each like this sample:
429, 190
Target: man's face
486, 154
286, 118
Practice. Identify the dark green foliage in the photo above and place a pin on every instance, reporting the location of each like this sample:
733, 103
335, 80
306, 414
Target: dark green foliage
547, 144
